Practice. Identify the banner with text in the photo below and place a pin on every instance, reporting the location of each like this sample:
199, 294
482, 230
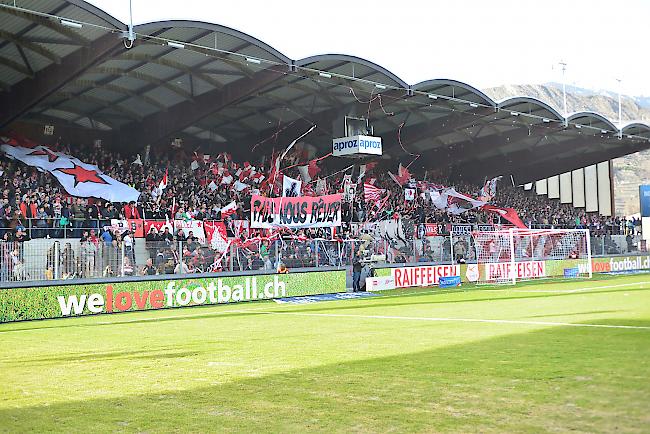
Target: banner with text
426, 275
18, 304
296, 212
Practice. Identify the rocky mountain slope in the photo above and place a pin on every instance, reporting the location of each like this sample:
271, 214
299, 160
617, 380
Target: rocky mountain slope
629, 171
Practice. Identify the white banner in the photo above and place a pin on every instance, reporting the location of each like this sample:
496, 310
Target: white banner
291, 187
76, 177
194, 226
383, 283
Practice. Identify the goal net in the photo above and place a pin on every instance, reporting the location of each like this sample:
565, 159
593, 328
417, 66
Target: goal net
508, 256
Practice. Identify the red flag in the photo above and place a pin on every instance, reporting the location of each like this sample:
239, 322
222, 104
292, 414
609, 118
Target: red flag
507, 213
163, 183
403, 175
228, 210
274, 169
370, 166
307, 173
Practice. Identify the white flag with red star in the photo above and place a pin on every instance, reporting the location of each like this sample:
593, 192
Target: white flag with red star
76, 177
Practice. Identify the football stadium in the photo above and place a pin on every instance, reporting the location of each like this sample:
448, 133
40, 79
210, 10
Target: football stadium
199, 233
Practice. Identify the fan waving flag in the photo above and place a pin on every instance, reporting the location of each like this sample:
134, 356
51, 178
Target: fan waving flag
163, 182
77, 178
507, 213
372, 193
229, 210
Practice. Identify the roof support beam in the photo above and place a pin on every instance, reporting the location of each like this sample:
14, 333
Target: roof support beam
117, 89
74, 38
28, 93
171, 64
159, 126
16, 67
24, 43
436, 128
167, 84
100, 103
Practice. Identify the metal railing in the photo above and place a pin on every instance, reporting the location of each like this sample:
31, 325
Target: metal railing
74, 258
52, 227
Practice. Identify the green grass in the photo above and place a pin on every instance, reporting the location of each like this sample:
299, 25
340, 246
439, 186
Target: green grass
262, 367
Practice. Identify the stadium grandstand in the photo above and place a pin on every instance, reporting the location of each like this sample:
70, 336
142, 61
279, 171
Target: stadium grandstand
296, 245
193, 118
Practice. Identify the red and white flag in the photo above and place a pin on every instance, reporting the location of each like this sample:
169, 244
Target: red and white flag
308, 172
163, 182
458, 203
76, 177
229, 210
403, 175
372, 193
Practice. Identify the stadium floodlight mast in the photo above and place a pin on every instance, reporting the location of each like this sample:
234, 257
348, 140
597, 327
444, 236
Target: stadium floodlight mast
620, 113
566, 113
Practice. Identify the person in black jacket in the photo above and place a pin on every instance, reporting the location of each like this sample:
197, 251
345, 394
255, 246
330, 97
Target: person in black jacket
356, 272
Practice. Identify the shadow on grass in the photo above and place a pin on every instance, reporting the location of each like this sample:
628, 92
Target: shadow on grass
371, 302
587, 312
555, 379
104, 356
117, 318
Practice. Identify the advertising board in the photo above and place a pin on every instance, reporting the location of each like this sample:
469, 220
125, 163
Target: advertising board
355, 145
17, 304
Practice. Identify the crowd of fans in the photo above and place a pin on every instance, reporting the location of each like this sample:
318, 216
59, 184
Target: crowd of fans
34, 205
32, 199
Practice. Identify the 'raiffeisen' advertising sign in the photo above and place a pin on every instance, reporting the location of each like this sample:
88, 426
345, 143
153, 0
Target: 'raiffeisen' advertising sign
355, 145
17, 304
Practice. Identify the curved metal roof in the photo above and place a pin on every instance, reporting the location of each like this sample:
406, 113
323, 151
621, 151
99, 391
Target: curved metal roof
157, 26
352, 66
529, 105
222, 84
453, 89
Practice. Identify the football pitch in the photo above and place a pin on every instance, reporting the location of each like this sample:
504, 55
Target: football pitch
536, 357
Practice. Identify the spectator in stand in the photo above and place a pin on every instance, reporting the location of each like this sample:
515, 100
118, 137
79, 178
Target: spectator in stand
67, 261
78, 215
166, 236
149, 269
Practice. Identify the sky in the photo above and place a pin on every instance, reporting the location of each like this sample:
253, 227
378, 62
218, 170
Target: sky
483, 43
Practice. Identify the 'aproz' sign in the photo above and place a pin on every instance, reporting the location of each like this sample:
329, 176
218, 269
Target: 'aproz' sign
356, 145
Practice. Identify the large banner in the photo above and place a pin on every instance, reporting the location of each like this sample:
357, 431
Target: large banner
17, 304
77, 178
296, 212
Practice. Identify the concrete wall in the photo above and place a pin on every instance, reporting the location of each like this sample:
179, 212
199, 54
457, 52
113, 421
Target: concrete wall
589, 188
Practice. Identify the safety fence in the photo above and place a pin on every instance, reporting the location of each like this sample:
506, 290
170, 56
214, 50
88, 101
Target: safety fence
96, 257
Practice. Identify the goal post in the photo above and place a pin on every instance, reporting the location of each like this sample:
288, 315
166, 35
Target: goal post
508, 256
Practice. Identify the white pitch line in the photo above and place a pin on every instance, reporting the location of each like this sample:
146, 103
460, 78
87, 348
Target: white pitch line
569, 291
491, 321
